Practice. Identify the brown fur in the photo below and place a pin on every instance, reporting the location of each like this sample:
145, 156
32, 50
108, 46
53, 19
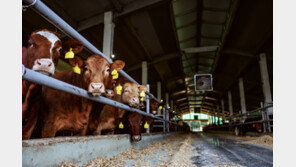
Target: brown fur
38, 48
69, 112
108, 116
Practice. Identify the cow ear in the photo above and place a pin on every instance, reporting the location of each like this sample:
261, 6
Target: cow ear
142, 88
76, 61
117, 65
76, 46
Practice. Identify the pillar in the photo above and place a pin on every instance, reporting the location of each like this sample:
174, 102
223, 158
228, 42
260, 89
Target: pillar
144, 73
230, 106
108, 34
265, 81
159, 95
223, 112
242, 97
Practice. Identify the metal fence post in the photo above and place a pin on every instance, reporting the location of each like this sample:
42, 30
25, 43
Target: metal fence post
148, 106
163, 116
263, 118
168, 118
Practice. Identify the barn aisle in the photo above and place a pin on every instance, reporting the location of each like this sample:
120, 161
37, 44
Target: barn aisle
220, 151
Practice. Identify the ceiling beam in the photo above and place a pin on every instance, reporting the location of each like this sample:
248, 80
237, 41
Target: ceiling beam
201, 49
160, 58
134, 6
229, 21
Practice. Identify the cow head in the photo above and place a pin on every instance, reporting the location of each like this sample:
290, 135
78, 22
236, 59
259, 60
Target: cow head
44, 49
131, 92
135, 125
153, 106
109, 93
96, 72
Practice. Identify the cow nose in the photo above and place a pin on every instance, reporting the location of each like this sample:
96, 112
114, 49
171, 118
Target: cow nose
136, 138
96, 88
44, 65
135, 99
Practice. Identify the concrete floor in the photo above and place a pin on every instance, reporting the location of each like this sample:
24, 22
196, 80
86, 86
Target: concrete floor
218, 151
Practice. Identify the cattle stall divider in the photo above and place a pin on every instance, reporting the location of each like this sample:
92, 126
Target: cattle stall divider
45, 80
49, 15
265, 120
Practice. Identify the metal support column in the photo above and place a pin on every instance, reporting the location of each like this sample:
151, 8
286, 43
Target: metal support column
167, 118
230, 107
263, 117
265, 81
242, 98
217, 109
163, 116
158, 95
108, 34
167, 100
223, 112
144, 73
148, 106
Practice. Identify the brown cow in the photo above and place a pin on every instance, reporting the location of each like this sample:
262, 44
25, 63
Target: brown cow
153, 109
129, 95
41, 55
68, 112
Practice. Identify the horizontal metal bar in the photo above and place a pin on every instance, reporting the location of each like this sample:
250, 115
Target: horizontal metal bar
58, 22
255, 110
157, 126
41, 79
201, 49
253, 122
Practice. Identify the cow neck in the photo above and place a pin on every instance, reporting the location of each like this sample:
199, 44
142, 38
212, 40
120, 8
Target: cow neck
78, 80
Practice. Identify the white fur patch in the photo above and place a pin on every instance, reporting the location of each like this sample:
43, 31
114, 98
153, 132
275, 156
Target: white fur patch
51, 37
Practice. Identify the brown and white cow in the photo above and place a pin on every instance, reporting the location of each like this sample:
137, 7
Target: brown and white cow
129, 95
69, 112
41, 55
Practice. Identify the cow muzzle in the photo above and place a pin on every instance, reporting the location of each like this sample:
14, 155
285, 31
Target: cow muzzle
134, 102
109, 94
96, 89
154, 112
136, 138
44, 66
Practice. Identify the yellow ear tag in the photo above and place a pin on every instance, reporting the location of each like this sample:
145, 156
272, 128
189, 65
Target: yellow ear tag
146, 125
160, 107
114, 74
121, 126
118, 89
70, 54
77, 69
142, 95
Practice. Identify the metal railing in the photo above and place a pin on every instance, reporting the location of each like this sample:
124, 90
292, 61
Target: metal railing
265, 120
45, 80
63, 26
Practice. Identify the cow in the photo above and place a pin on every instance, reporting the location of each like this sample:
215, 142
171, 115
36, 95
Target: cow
64, 111
150, 121
41, 55
129, 94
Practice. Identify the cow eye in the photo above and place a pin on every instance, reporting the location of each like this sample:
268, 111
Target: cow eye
125, 90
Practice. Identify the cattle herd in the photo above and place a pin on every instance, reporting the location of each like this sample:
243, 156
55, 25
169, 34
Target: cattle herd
47, 112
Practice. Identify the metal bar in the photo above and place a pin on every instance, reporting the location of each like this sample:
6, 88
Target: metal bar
148, 107
248, 112
58, 22
163, 115
253, 122
41, 79
263, 118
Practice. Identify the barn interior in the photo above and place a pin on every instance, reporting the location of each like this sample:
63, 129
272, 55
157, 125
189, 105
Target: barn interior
178, 39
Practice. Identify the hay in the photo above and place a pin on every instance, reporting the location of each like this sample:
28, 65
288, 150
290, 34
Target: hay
146, 155
265, 140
